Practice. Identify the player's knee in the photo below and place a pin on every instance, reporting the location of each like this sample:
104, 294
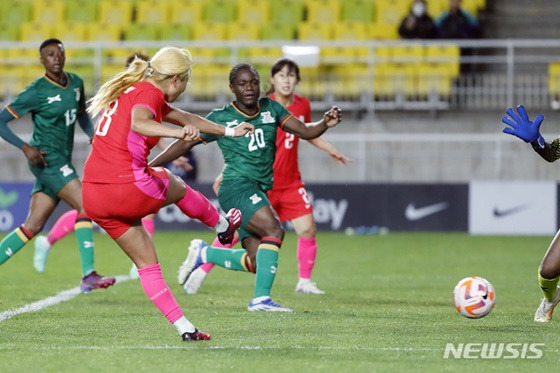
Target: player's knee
549, 271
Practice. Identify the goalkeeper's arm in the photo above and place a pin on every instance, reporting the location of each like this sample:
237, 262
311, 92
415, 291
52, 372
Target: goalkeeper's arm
549, 152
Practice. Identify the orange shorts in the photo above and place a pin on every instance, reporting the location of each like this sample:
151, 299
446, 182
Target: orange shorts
290, 203
117, 207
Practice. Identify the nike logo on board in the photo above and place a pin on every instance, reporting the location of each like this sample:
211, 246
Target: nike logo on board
504, 212
413, 213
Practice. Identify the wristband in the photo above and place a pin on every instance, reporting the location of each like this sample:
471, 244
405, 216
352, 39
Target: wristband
230, 132
538, 143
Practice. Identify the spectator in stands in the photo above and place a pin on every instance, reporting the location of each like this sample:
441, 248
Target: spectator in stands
134, 103
418, 24
457, 23
56, 102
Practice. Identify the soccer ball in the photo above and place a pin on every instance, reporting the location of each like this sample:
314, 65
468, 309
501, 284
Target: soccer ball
474, 297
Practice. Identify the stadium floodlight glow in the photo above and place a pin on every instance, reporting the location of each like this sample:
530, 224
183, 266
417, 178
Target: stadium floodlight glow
302, 55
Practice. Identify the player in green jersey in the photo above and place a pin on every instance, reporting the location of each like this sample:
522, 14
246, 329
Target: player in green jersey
247, 176
56, 101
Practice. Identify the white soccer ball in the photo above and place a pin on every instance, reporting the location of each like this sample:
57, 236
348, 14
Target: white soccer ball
474, 297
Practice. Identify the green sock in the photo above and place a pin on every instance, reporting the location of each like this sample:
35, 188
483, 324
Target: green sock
227, 258
84, 234
549, 287
13, 242
267, 264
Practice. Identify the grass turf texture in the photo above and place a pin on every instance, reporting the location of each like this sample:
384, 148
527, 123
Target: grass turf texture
388, 307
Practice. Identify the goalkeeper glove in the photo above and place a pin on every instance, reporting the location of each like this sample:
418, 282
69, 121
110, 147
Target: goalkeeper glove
520, 126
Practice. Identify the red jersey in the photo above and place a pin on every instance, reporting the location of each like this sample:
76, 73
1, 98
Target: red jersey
286, 167
120, 155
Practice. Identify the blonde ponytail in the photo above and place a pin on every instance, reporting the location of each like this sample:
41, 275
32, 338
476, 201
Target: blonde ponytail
167, 62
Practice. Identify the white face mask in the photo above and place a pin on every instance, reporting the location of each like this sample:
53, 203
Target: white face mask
418, 9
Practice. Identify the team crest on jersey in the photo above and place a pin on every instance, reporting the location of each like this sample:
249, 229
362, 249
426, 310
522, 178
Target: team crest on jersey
266, 117
66, 170
77, 91
50, 100
255, 199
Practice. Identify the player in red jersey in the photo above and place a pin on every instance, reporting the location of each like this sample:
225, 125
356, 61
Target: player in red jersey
119, 187
288, 195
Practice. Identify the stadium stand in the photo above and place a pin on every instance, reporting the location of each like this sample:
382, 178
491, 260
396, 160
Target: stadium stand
229, 21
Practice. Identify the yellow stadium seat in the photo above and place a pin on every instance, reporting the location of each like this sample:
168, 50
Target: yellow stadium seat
82, 11
141, 31
176, 31
394, 79
48, 11
223, 11
71, 31
243, 31
34, 31
9, 32
152, 12
186, 11
216, 80
110, 70
15, 12
448, 55
362, 11
278, 31
436, 7
409, 54
264, 55
327, 11
314, 31
391, 11
554, 79
286, 11
209, 31
350, 81
383, 31
253, 11
115, 12
104, 32
433, 79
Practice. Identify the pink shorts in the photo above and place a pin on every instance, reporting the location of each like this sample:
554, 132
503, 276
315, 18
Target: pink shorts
117, 207
290, 203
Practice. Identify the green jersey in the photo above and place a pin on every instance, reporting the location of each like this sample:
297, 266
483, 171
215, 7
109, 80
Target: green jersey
250, 157
54, 109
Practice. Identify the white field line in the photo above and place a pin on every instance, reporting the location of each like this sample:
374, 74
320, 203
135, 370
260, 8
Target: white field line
63, 296
200, 346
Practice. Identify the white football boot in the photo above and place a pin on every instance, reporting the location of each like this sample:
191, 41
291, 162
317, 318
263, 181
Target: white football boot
546, 308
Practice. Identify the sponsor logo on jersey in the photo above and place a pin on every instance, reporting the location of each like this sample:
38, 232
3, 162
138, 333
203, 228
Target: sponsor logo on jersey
77, 91
233, 123
50, 100
412, 213
266, 117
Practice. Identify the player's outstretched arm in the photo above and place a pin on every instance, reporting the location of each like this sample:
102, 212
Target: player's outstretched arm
519, 125
172, 152
313, 130
180, 118
331, 150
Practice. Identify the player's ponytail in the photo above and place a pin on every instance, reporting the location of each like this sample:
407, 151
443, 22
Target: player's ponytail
167, 62
114, 87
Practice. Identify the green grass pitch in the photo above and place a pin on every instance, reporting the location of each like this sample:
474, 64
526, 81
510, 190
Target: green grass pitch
388, 308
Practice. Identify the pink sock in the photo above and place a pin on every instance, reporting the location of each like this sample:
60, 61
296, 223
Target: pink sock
63, 226
150, 225
195, 205
159, 293
306, 254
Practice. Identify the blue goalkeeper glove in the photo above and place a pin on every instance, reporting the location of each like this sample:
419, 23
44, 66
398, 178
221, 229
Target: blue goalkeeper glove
520, 126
